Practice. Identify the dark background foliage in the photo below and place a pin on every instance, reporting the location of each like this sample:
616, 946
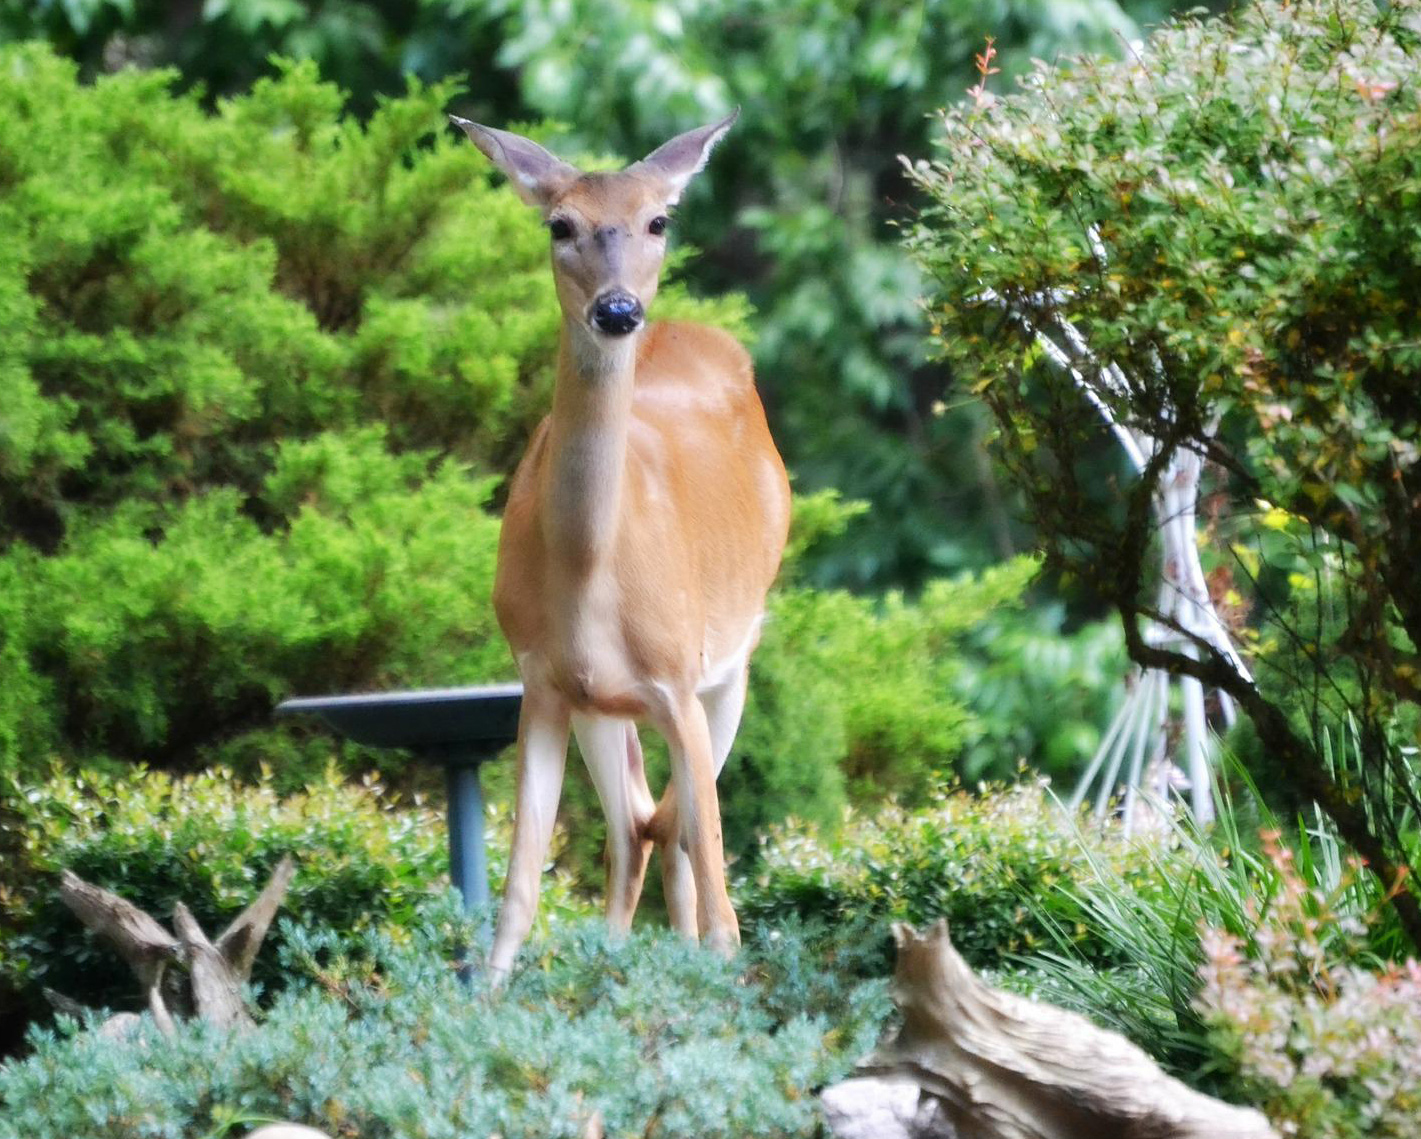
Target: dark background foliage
798, 211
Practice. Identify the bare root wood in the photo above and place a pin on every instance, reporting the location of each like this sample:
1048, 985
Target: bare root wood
240, 941
209, 978
159, 1007
992, 1065
140, 940
65, 1006
216, 991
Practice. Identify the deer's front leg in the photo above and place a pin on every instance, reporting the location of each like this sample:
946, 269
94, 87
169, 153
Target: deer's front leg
542, 755
697, 813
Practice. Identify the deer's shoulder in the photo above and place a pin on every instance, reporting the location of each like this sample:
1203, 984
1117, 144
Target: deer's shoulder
681, 352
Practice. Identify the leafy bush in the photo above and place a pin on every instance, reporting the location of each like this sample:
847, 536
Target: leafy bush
654, 1034
1329, 1046
1002, 867
1217, 239
363, 861
881, 673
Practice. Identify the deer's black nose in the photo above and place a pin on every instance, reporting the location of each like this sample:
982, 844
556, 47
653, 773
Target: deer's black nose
617, 313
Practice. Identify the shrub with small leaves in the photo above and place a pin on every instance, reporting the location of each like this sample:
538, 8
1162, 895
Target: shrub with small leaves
1328, 1044
363, 859
999, 866
1213, 243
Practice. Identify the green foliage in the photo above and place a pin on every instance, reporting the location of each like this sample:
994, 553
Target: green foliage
1229, 222
653, 1033
383, 572
1002, 867
1038, 694
363, 861
797, 212
250, 362
881, 673
1330, 1047
223, 46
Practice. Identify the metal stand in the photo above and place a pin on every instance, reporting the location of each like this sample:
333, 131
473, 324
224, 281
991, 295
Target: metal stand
457, 728
468, 862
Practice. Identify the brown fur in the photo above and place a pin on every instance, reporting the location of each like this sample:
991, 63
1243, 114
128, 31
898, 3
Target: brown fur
705, 515
642, 532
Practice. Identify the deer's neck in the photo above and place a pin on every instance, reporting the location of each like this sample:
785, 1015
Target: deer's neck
590, 419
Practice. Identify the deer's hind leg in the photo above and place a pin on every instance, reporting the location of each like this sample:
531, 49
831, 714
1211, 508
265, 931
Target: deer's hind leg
612, 752
724, 706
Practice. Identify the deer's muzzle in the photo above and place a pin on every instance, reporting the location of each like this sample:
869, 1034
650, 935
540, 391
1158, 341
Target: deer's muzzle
617, 313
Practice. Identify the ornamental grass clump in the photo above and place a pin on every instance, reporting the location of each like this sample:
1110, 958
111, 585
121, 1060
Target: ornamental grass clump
1306, 1023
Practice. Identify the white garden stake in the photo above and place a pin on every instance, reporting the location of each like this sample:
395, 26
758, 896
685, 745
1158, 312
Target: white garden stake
1136, 745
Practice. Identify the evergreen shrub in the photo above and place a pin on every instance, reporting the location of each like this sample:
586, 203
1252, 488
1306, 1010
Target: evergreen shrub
655, 1034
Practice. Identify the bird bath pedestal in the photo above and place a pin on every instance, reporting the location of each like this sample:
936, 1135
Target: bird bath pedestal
456, 728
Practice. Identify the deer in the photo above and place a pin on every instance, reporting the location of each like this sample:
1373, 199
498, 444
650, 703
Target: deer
643, 529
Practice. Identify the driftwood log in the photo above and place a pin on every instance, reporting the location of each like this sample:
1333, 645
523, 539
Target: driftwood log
181, 971
973, 1062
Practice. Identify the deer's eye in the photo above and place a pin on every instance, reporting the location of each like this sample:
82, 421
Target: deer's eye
658, 226
560, 228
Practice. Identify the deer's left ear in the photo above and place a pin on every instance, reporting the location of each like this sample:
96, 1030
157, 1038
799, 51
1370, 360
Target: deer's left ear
679, 160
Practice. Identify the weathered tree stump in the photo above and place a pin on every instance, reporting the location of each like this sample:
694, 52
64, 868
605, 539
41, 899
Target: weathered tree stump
209, 975
992, 1065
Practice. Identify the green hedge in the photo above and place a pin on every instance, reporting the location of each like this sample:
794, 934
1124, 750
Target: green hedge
364, 860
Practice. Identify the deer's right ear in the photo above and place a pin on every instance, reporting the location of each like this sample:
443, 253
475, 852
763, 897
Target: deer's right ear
537, 176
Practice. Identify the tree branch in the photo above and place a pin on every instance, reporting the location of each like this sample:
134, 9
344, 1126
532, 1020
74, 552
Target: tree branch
140, 940
1295, 754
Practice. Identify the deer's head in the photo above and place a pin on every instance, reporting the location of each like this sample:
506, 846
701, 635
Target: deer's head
608, 230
